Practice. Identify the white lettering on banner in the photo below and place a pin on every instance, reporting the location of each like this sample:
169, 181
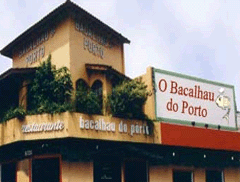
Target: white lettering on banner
97, 125
88, 124
44, 127
139, 129
101, 125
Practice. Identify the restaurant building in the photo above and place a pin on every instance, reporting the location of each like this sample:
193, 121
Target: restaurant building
194, 136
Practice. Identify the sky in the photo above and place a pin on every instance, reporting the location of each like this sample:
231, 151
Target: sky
200, 38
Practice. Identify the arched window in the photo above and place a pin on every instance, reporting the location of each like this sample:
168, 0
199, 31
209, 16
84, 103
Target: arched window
89, 100
81, 85
97, 89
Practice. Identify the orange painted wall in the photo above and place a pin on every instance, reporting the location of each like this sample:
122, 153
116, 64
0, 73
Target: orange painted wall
189, 136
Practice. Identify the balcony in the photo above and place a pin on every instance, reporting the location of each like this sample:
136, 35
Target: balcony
76, 125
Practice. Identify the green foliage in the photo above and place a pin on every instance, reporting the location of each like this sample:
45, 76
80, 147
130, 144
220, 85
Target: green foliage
50, 90
87, 101
52, 108
127, 99
18, 112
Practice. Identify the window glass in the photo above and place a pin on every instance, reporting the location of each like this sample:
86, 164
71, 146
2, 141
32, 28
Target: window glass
81, 85
107, 171
97, 88
180, 176
45, 170
8, 172
136, 171
214, 176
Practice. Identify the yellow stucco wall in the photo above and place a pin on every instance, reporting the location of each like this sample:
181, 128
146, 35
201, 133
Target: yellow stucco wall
149, 108
77, 171
80, 56
66, 47
232, 175
23, 171
199, 175
160, 174
56, 45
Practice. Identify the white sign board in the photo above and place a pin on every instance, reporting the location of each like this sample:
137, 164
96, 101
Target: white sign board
186, 99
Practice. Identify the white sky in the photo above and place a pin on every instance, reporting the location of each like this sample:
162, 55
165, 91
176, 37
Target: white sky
194, 37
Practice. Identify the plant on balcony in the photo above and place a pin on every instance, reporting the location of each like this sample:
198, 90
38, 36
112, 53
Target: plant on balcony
51, 92
51, 89
128, 98
87, 101
18, 112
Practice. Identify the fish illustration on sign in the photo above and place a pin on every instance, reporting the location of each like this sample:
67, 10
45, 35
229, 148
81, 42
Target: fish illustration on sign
224, 103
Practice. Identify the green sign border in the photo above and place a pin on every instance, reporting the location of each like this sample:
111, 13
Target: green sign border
187, 122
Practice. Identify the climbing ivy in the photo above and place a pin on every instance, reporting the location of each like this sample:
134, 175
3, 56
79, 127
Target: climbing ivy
51, 89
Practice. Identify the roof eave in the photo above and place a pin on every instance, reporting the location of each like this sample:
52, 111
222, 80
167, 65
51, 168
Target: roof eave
8, 50
17, 71
106, 68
